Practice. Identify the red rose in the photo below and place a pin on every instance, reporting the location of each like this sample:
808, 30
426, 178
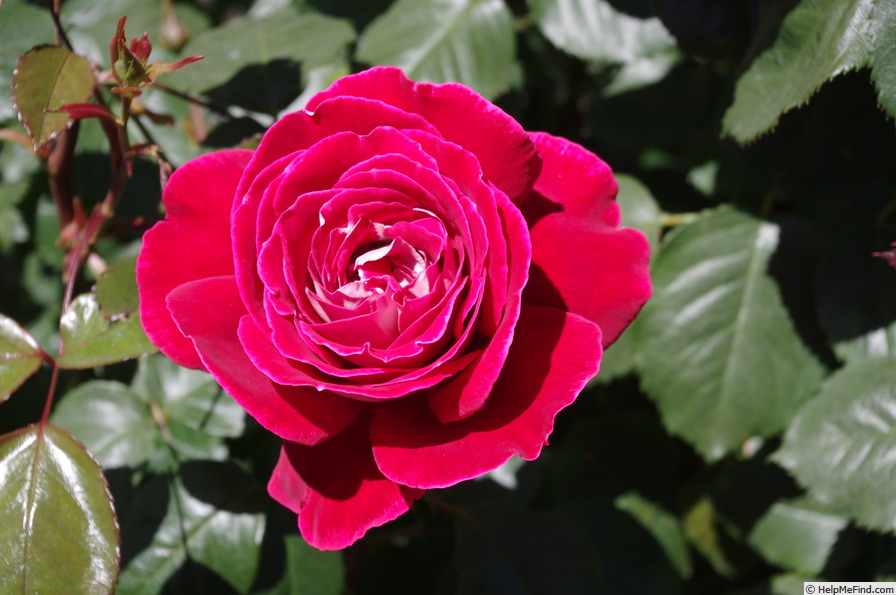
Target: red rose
400, 282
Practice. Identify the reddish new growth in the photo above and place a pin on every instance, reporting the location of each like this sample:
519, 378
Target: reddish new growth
888, 255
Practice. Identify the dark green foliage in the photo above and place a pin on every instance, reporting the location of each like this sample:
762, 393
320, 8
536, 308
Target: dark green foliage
740, 435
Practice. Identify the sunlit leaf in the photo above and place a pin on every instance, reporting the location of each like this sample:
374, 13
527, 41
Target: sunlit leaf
798, 535
114, 423
467, 41
818, 40
718, 351
883, 54
47, 78
309, 38
91, 340
191, 397
213, 517
842, 444
57, 523
20, 356
594, 30
116, 290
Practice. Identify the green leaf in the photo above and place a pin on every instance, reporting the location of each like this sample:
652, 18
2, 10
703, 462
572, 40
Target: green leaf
116, 290
842, 444
47, 78
594, 30
818, 40
122, 425
309, 38
797, 535
13, 229
664, 527
114, 423
718, 351
57, 522
313, 572
639, 209
883, 54
213, 517
90, 340
701, 528
191, 397
23, 25
20, 356
467, 41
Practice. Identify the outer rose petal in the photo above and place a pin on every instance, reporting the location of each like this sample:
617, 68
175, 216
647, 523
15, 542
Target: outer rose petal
209, 312
553, 355
462, 116
193, 242
336, 488
581, 260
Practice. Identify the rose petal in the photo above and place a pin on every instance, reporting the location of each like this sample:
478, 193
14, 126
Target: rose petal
336, 488
582, 261
381, 383
192, 242
553, 356
467, 393
209, 312
462, 116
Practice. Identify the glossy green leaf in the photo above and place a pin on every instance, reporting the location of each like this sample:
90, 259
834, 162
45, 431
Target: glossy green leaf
23, 25
57, 522
522, 551
594, 30
213, 518
191, 397
718, 352
797, 535
20, 356
91, 340
116, 290
47, 78
664, 527
818, 40
842, 444
167, 405
883, 54
467, 41
309, 38
114, 423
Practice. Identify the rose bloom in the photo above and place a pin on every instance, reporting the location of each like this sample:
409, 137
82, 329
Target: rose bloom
400, 282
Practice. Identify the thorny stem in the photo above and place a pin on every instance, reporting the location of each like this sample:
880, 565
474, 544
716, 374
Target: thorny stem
59, 170
83, 236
